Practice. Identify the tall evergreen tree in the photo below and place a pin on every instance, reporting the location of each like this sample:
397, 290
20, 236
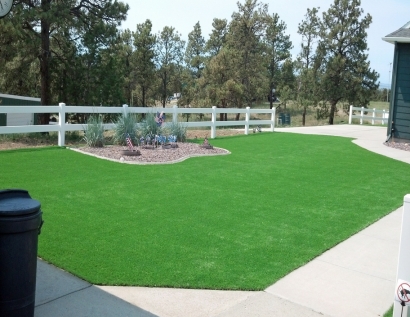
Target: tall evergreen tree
169, 56
217, 38
246, 30
221, 81
143, 61
17, 57
347, 75
195, 63
307, 63
277, 48
195, 51
41, 20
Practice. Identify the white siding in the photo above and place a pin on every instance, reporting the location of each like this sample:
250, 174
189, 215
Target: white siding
14, 119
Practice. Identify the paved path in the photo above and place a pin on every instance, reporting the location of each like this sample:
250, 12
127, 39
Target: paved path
355, 278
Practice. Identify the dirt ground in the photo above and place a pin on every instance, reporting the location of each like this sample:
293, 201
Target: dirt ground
26, 142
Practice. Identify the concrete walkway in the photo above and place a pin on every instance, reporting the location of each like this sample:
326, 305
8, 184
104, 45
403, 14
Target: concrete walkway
355, 278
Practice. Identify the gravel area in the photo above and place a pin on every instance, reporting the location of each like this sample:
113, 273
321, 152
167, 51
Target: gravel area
398, 145
152, 156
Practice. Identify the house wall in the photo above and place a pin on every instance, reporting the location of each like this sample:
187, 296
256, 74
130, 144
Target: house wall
15, 119
401, 93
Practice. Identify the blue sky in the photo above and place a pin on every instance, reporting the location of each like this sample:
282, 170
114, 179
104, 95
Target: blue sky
388, 16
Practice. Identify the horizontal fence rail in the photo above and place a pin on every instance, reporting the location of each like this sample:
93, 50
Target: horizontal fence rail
62, 126
372, 114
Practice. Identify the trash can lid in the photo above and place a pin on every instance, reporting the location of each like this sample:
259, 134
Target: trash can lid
17, 202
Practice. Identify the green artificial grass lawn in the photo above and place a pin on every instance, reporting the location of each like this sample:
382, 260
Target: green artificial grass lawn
389, 313
239, 221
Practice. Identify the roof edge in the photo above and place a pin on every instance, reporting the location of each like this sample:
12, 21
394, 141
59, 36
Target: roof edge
393, 40
19, 97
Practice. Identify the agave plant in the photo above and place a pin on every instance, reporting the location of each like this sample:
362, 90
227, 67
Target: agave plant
126, 125
94, 132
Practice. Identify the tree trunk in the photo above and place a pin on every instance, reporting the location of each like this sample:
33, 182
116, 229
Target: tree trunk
304, 116
45, 56
164, 92
237, 116
270, 97
332, 112
143, 97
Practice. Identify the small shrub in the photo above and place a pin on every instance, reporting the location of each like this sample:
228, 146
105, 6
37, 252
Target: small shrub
126, 124
94, 133
73, 136
177, 129
150, 126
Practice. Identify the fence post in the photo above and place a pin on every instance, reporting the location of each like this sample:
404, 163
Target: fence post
175, 114
384, 116
61, 124
213, 120
403, 272
272, 118
361, 115
350, 114
247, 118
125, 110
374, 115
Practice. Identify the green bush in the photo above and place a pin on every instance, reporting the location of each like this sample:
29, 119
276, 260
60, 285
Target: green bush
149, 126
94, 133
126, 124
73, 136
178, 129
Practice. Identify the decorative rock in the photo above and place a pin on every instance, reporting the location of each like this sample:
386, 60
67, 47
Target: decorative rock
206, 146
131, 153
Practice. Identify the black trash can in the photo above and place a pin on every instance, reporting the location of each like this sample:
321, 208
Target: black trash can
20, 224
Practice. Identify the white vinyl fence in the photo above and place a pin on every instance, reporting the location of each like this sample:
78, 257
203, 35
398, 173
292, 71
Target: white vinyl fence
402, 289
61, 126
372, 114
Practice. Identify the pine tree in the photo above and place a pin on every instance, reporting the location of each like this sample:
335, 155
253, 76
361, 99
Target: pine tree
41, 20
143, 60
246, 30
277, 47
169, 55
347, 76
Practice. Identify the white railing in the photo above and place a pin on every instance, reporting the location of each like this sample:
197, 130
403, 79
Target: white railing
372, 114
61, 126
403, 273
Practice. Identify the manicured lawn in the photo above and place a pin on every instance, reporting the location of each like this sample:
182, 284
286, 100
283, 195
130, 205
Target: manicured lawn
389, 313
240, 221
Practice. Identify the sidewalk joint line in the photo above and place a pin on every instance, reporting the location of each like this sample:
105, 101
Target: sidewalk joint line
54, 299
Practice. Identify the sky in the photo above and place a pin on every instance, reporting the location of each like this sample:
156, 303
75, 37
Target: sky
388, 16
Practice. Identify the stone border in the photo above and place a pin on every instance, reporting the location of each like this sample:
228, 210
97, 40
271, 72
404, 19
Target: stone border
150, 163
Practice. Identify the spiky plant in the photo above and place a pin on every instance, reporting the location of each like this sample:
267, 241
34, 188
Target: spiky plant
178, 129
126, 124
94, 132
149, 126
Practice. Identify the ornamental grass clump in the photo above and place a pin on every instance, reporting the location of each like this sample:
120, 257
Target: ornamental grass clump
94, 132
126, 125
150, 126
177, 129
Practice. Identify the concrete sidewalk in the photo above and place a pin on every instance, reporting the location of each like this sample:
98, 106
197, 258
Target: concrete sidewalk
355, 278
